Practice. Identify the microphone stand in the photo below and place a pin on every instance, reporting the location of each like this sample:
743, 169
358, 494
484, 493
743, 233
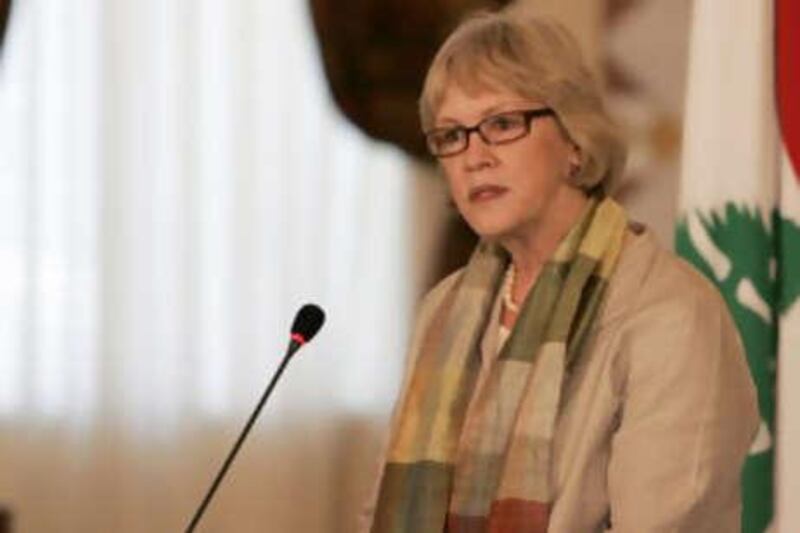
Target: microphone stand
294, 345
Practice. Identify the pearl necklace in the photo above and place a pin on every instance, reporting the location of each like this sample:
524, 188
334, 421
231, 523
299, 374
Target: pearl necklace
508, 287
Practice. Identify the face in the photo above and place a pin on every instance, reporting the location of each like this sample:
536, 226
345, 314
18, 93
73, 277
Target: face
505, 190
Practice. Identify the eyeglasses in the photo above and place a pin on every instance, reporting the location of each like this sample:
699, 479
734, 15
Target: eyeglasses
501, 128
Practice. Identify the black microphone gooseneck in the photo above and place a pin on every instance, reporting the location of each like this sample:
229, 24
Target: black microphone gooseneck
307, 322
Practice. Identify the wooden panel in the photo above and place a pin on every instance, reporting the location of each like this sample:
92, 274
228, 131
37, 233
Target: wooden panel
5, 9
376, 53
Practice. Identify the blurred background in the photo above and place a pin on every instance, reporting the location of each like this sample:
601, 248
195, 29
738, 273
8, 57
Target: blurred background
178, 176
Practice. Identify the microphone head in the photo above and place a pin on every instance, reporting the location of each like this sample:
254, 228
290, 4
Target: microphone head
307, 322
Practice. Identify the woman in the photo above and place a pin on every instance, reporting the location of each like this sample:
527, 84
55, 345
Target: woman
574, 376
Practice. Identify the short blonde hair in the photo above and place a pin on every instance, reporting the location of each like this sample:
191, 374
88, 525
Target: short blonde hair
536, 58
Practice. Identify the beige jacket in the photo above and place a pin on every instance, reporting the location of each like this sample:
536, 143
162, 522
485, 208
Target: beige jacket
659, 412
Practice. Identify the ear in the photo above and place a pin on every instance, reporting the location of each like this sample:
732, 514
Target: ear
575, 160
575, 155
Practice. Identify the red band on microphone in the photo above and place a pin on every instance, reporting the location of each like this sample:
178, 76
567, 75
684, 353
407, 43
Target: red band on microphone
298, 338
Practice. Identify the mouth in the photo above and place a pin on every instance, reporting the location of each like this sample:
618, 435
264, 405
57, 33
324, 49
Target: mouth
486, 193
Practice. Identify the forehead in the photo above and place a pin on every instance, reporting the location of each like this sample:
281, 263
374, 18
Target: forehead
469, 103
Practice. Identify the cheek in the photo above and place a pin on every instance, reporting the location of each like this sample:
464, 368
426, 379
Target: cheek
451, 177
543, 168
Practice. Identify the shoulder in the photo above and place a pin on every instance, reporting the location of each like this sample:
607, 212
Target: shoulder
672, 326
650, 279
435, 297
667, 317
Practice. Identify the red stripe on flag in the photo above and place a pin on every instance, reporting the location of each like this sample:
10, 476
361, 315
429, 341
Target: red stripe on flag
787, 66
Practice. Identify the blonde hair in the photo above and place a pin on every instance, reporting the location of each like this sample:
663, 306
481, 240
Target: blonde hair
536, 58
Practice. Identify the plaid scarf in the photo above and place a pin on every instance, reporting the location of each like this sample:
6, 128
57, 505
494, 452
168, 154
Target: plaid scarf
492, 471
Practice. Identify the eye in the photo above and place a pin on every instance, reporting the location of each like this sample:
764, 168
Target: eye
504, 122
447, 137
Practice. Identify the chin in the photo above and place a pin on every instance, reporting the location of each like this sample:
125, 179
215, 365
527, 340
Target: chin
491, 229
501, 220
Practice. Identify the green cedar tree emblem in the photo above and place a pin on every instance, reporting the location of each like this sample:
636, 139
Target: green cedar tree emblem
758, 287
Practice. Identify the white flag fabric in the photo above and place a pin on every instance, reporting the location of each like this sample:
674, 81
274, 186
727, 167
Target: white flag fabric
740, 216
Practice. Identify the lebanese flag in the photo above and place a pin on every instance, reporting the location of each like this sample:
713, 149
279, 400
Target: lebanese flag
787, 53
740, 218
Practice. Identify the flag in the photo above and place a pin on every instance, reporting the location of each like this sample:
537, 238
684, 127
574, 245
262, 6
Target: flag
739, 219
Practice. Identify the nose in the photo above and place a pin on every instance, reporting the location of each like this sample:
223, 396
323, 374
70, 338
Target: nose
479, 154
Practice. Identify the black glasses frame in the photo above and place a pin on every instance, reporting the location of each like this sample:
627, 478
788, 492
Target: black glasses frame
528, 114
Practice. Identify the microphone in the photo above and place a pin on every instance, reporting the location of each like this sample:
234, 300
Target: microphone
307, 323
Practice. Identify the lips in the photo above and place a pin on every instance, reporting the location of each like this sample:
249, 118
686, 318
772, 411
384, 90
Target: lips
485, 193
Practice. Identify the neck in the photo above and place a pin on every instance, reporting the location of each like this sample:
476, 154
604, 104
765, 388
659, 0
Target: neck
534, 244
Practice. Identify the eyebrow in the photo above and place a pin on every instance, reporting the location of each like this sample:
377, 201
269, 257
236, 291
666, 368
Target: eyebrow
492, 110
